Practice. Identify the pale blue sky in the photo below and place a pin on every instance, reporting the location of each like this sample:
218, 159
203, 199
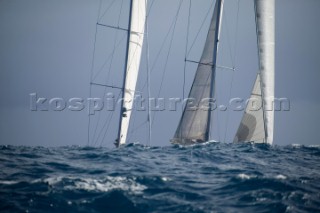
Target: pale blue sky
47, 46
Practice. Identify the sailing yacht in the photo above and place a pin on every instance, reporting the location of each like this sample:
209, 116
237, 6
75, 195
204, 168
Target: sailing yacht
257, 124
195, 124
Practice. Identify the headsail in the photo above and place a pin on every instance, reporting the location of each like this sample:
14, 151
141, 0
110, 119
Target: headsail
195, 121
135, 42
252, 124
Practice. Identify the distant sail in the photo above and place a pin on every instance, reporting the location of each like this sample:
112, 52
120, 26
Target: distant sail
252, 124
136, 36
265, 20
195, 121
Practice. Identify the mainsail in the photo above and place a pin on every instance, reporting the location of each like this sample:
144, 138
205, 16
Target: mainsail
265, 18
135, 42
194, 124
265, 21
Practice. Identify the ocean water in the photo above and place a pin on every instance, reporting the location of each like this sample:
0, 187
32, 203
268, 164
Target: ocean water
213, 177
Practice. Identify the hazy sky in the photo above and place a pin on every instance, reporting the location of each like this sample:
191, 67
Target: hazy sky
47, 48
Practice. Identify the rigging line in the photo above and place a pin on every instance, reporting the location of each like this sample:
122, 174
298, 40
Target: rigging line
217, 115
150, 8
162, 46
105, 12
149, 80
108, 58
108, 74
228, 113
202, 24
186, 49
234, 65
105, 89
99, 9
105, 132
185, 60
168, 54
136, 128
147, 138
108, 126
106, 123
133, 119
236, 36
90, 86
228, 38
105, 85
114, 87
160, 50
91, 71
133, 129
114, 46
120, 13
158, 54
99, 118
113, 27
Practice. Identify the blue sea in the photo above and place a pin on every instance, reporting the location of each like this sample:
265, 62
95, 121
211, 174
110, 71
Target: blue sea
213, 177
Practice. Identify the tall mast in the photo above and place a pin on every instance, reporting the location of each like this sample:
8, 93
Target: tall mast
117, 143
214, 65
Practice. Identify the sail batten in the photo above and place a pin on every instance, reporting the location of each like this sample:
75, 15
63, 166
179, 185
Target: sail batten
135, 44
194, 124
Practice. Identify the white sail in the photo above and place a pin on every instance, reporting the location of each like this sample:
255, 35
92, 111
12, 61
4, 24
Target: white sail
252, 128
136, 36
265, 20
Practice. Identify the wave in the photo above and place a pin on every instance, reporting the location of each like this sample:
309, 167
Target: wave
211, 177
